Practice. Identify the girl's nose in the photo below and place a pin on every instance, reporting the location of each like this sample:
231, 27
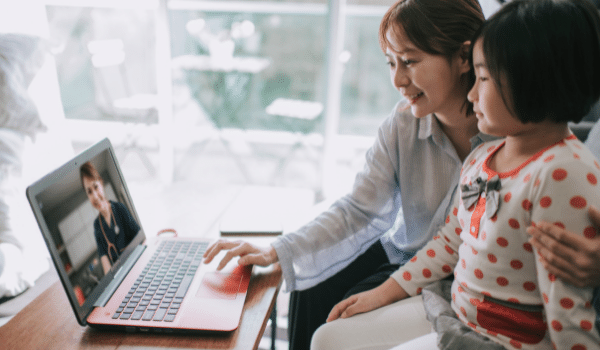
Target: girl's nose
472, 95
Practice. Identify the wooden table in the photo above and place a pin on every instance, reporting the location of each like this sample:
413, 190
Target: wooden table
49, 323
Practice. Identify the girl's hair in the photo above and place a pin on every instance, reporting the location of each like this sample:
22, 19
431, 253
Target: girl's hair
88, 170
544, 56
437, 27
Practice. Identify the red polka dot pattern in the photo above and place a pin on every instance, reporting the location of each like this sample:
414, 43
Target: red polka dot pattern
545, 202
516, 264
529, 286
557, 326
567, 303
586, 325
506, 265
560, 224
578, 202
559, 174
590, 232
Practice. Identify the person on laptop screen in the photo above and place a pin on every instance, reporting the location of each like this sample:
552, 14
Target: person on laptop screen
114, 228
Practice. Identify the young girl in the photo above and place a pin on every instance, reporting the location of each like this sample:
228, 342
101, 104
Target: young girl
537, 65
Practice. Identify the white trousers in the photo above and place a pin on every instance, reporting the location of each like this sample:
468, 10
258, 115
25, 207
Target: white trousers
379, 329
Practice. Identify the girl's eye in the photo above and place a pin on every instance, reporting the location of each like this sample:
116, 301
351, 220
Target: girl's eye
390, 63
407, 62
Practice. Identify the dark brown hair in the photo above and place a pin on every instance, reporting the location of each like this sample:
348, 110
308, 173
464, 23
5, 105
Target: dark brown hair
547, 53
437, 27
88, 170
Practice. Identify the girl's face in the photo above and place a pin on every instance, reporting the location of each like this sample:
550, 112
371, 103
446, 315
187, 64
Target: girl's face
430, 83
95, 192
493, 116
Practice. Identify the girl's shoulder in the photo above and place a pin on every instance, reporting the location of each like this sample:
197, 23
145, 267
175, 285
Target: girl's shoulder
569, 154
482, 151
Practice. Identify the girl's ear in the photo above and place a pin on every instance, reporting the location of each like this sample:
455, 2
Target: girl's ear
464, 55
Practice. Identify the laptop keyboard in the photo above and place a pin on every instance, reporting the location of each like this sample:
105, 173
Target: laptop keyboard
158, 292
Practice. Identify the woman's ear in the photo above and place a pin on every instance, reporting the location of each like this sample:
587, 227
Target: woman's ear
464, 57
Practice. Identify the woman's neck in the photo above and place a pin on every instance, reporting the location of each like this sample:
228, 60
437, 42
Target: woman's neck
520, 147
459, 129
106, 212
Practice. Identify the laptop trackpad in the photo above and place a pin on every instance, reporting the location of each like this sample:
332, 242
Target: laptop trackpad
218, 285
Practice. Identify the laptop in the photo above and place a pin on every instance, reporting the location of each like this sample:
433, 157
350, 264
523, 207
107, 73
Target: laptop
116, 280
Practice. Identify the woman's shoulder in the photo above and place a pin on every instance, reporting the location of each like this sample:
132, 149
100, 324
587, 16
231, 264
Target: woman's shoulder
401, 117
116, 204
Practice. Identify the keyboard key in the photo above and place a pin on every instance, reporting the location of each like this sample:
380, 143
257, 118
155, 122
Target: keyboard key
148, 315
160, 314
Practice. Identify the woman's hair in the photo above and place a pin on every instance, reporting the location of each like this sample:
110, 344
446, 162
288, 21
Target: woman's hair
437, 27
544, 56
88, 170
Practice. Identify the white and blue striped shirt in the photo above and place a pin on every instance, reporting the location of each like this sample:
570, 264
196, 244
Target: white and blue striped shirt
411, 172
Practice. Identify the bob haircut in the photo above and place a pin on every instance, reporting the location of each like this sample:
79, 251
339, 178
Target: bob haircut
88, 171
437, 27
547, 53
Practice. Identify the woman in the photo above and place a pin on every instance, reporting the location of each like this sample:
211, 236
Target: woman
412, 169
114, 227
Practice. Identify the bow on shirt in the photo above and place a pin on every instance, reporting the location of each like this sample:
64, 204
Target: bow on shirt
470, 194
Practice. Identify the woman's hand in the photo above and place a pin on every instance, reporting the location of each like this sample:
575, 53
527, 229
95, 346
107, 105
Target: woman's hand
571, 257
249, 254
387, 293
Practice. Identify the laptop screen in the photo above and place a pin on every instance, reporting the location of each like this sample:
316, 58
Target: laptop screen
88, 220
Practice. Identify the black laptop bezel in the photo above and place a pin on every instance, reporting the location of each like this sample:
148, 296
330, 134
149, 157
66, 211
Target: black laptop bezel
35, 189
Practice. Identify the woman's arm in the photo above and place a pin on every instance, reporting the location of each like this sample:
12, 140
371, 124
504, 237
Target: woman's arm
572, 258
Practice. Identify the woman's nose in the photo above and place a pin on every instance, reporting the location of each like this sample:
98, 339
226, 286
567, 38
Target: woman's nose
401, 79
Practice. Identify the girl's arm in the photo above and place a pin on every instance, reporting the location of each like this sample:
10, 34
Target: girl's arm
433, 262
569, 312
387, 293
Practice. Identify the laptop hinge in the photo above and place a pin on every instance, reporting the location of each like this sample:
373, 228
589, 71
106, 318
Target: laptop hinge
119, 276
